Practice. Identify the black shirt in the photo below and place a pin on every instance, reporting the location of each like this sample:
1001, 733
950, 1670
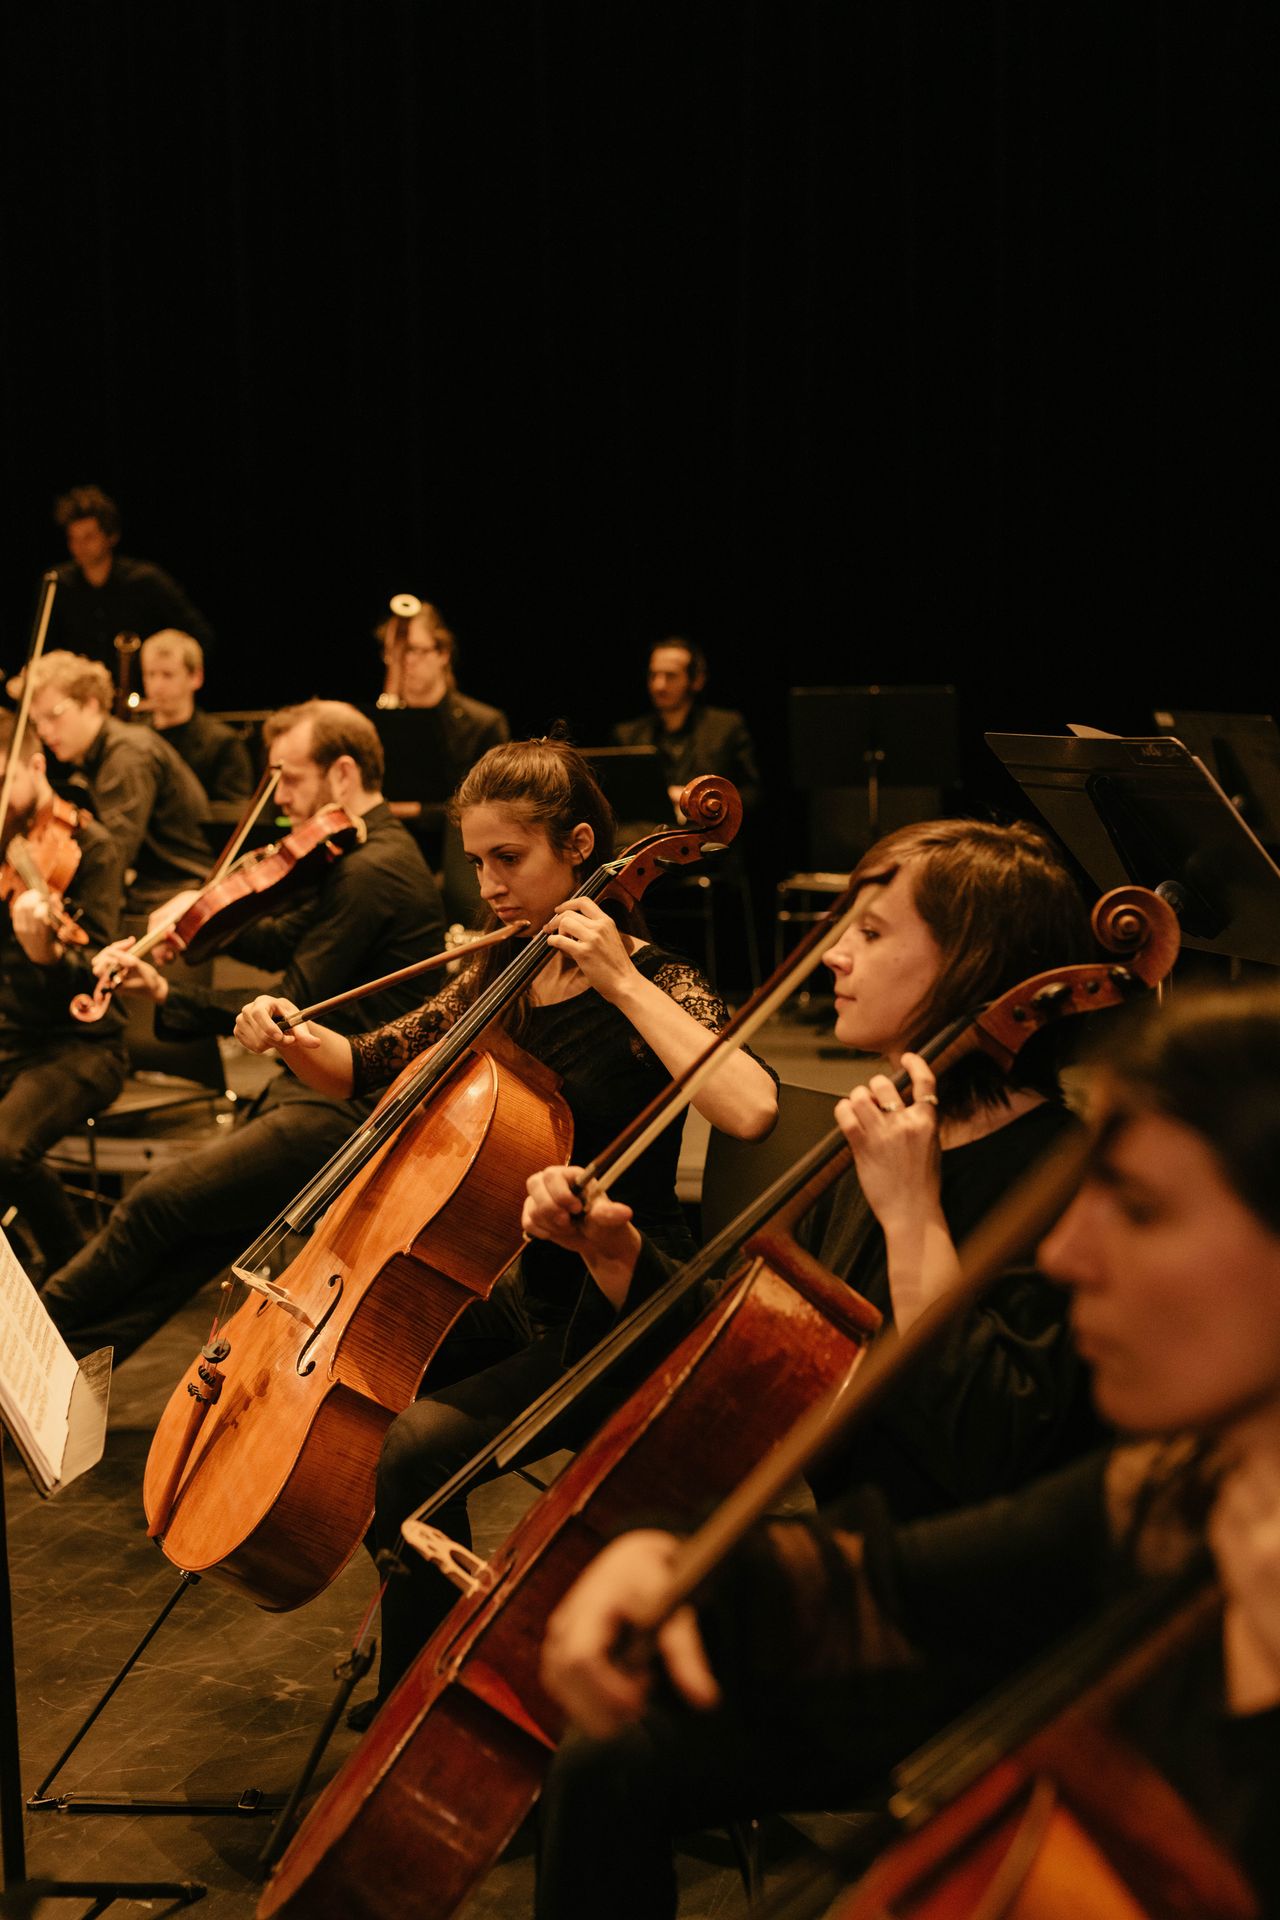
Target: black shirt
152, 805
136, 597
1002, 1395
215, 753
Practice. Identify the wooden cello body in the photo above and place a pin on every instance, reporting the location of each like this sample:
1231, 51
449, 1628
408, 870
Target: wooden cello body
456, 1757
276, 1503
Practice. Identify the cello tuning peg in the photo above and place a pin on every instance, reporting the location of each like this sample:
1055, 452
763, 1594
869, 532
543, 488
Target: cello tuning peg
712, 846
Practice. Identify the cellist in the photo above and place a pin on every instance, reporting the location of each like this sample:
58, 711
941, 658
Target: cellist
615, 1016
949, 913
53, 1074
827, 1646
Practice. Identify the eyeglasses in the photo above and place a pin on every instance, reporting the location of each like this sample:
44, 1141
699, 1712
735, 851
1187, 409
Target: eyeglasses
55, 712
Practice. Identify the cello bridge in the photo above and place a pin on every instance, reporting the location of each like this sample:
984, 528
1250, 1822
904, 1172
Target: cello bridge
468, 1572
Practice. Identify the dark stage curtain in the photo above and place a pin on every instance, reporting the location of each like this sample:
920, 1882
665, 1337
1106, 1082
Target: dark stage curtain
897, 342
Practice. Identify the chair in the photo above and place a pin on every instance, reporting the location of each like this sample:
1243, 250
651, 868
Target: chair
737, 1171
175, 1097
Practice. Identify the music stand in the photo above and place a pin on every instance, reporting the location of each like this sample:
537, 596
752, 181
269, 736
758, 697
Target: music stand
86, 1435
1145, 811
1242, 751
880, 736
631, 779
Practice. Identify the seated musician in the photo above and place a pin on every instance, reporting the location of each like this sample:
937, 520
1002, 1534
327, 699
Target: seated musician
690, 736
431, 733
824, 1648
370, 912
615, 1017
142, 791
54, 1073
951, 913
172, 676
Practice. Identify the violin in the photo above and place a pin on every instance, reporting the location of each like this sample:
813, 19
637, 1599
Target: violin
44, 860
454, 1760
274, 1488
238, 893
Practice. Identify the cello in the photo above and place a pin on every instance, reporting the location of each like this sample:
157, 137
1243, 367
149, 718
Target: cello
455, 1759
274, 1489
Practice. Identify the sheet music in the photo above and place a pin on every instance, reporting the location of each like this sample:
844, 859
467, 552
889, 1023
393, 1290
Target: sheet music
37, 1372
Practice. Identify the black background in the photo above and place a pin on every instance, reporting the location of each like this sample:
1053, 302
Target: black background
861, 342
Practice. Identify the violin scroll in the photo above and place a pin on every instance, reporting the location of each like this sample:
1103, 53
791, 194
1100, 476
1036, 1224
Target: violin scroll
714, 804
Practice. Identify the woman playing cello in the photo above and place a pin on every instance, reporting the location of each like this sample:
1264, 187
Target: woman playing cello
950, 913
614, 1017
800, 1678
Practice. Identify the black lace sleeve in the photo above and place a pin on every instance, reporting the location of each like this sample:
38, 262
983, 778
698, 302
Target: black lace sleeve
682, 982
377, 1057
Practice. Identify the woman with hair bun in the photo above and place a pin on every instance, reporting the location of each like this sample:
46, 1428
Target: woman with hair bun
616, 1017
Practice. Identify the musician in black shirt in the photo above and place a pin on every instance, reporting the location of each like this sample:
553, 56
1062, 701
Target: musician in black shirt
102, 593
372, 911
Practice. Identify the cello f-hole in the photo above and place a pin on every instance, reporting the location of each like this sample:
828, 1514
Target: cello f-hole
305, 1365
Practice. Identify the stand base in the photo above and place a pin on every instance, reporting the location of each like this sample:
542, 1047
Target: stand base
101, 1893
252, 1800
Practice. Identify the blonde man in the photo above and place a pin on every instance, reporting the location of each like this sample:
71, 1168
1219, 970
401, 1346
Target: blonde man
142, 791
172, 676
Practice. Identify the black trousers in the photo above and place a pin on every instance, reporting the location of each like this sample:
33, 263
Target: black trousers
490, 1367
611, 1810
47, 1092
184, 1223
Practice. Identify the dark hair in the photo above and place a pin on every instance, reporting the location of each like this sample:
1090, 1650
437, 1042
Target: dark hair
549, 785
88, 503
336, 728
1210, 1059
697, 658
1001, 906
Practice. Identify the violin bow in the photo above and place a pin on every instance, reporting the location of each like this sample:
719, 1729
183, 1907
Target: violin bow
40, 629
410, 972
247, 822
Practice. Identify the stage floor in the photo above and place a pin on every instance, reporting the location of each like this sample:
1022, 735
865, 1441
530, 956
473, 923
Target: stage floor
227, 1698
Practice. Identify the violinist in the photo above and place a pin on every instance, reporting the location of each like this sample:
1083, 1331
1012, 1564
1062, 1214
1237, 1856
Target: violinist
615, 1017
54, 1073
172, 676
373, 910
824, 1647
950, 913
142, 791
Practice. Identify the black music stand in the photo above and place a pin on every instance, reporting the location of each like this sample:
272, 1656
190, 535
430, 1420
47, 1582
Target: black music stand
1147, 812
873, 737
1242, 751
86, 1432
632, 781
